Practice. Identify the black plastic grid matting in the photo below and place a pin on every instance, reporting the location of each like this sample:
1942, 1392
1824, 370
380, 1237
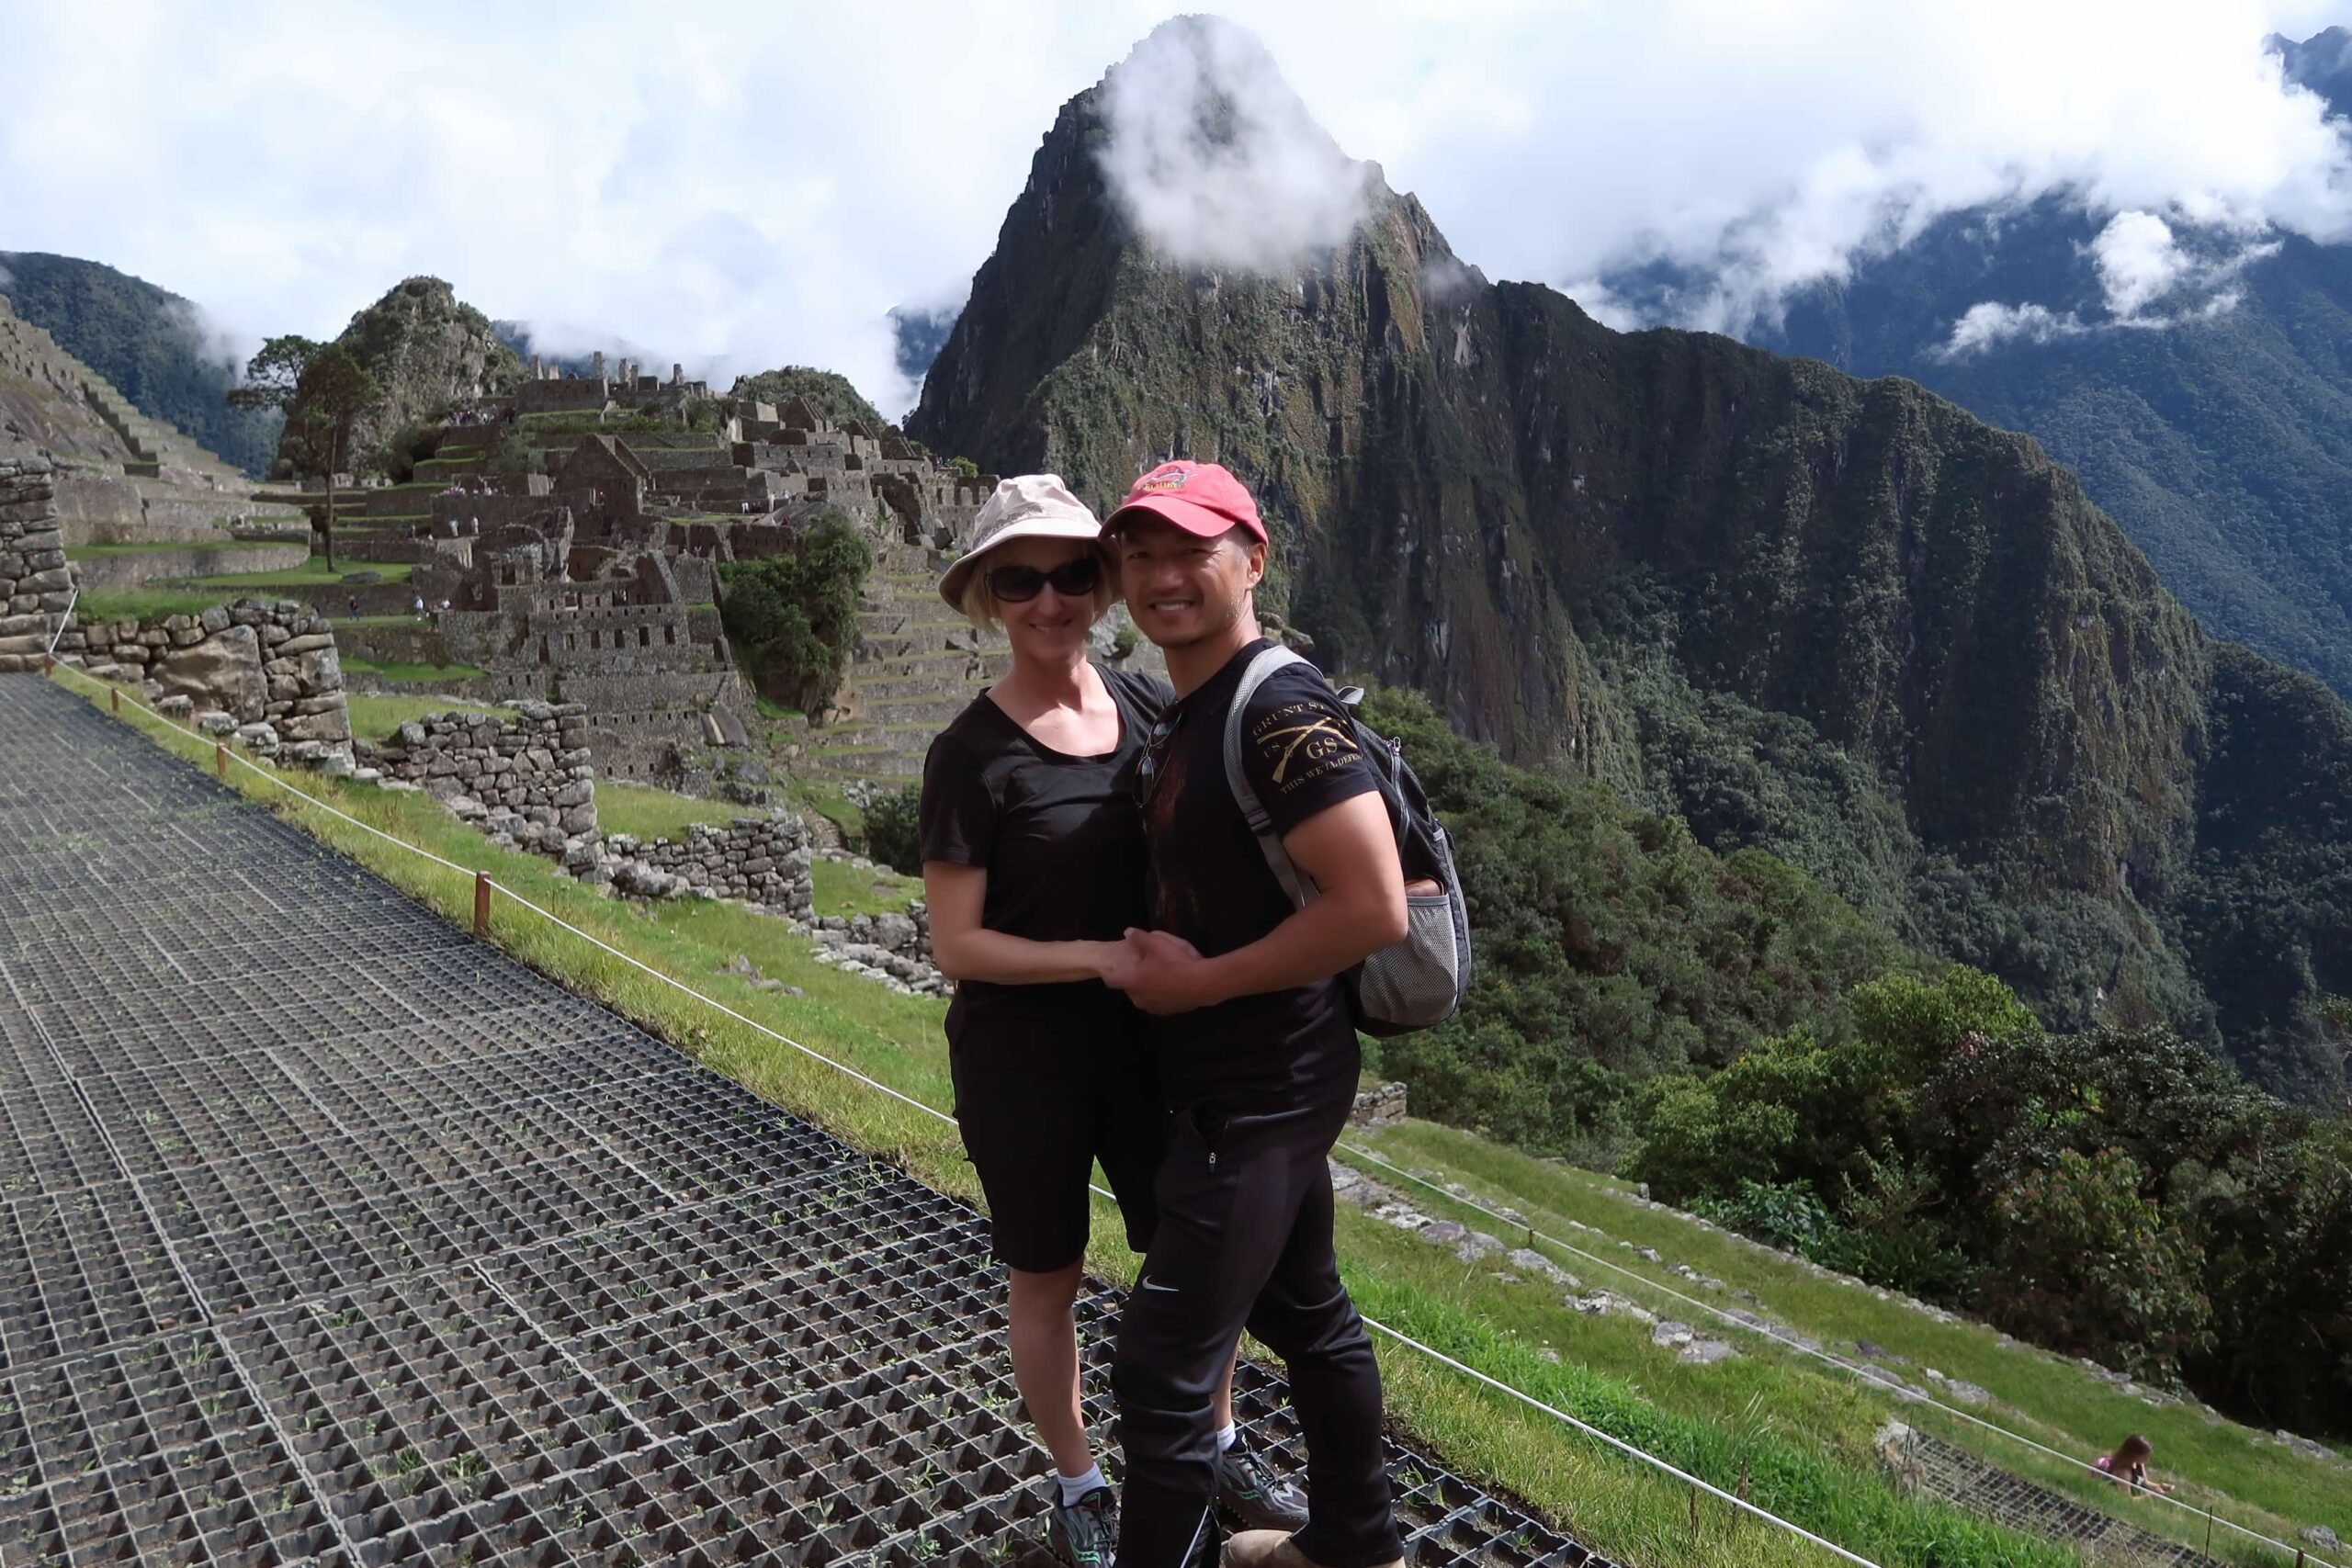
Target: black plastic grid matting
328, 1235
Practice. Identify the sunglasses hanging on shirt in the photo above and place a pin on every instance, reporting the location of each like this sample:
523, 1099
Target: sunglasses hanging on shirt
1071, 579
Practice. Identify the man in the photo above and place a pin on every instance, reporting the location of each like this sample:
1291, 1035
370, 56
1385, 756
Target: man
1254, 1043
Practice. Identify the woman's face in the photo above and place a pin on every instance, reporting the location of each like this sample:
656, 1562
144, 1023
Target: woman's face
1050, 627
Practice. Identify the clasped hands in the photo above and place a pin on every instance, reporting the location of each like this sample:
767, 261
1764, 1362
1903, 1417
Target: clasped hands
1161, 973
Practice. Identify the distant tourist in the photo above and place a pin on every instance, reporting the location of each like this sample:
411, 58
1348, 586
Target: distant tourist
420, 607
1033, 863
1255, 1043
351, 605
2127, 1467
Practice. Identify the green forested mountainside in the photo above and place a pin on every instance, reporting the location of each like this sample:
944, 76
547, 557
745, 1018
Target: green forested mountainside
147, 341
828, 391
1750, 1046
2216, 427
1846, 621
431, 353
2222, 444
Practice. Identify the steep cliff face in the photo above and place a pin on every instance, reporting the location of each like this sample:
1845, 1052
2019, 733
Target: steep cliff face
1842, 619
430, 352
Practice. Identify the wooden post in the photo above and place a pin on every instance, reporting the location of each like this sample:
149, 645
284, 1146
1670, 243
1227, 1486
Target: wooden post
220, 761
1694, 1513
114, 698
481, 906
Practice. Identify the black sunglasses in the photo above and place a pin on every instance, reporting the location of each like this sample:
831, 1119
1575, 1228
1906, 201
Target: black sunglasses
1148, 764
1019, 584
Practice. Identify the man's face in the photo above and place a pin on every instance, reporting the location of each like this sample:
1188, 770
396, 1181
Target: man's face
1183, 589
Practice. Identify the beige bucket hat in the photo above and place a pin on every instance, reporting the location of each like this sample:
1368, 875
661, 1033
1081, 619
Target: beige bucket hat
1026, 506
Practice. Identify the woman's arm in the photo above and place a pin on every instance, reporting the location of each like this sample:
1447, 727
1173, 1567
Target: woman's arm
964, 949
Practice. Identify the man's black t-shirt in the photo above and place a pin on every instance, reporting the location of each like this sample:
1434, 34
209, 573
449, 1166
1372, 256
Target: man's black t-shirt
1065, 857
1210, 883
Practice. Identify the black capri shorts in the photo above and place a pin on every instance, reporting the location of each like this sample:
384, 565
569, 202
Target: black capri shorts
1034, 1132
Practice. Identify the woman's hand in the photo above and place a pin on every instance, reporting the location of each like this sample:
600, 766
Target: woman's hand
1161, 973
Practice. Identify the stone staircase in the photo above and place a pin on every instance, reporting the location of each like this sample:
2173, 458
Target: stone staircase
917, 665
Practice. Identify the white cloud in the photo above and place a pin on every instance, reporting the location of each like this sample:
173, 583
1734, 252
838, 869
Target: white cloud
1217, 160
1992, 323
2139, 262
737, 184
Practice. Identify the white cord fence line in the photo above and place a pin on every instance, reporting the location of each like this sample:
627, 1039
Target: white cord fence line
64, 619
1780, 1338
223, 755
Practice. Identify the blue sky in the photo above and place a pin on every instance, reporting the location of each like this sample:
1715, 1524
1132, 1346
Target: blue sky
740, 186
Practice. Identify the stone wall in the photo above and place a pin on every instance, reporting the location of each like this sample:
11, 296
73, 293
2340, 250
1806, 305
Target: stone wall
269, 667
894, 948
36, 585
524, 776
760, 859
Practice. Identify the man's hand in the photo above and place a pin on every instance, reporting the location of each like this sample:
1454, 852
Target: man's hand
1161, 973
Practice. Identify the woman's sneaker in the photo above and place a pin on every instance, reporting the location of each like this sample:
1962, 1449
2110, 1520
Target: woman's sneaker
1084, 1534
1255, 1495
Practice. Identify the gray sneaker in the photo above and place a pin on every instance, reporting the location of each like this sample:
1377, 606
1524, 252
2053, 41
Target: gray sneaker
1255, 1495
1084, 1534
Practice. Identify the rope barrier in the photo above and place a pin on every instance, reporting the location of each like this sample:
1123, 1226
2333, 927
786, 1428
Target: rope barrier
1780, 1337
64, 619
1435, 1355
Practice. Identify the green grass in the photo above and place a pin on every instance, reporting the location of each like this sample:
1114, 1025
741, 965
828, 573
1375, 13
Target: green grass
2048, 1398
1798, 1442
156, 546
374, 718
311, 573
770, 708
413, 674
146, 604
650, 813
194, 595
842, 889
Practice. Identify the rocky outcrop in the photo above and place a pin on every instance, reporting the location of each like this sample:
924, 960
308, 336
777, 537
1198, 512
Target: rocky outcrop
431, 353
36, 585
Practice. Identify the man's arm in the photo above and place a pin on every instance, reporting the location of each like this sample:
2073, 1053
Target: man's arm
1350, 850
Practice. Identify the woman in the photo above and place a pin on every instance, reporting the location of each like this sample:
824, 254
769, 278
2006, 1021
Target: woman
1034, 865
2127, 1466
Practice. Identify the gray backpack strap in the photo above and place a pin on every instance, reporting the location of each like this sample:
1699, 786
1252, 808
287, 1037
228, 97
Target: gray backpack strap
1301, 891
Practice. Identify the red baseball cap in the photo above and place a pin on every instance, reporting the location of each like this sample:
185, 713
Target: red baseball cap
1200, 498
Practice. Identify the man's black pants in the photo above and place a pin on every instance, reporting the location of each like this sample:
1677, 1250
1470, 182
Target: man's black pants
1245, 1239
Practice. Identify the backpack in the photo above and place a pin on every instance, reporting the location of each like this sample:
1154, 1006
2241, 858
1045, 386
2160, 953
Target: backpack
1421, 980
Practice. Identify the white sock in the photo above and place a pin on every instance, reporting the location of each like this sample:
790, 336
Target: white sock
1227, 1436
1076, 1486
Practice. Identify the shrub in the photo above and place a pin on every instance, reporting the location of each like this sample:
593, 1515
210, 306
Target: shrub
2084, 1264
793, 618
894, 831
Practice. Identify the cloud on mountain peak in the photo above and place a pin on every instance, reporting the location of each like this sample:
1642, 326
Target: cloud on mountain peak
1216, 159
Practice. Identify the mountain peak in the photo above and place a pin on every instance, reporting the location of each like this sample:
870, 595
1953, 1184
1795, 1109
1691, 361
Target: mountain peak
1216, 161
2321, 62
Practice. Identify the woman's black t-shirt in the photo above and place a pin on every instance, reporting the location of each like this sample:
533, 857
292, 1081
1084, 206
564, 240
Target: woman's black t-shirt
1064, 849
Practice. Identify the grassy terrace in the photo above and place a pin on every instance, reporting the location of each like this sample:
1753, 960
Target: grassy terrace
1797, 1439
413, 674
194, 595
